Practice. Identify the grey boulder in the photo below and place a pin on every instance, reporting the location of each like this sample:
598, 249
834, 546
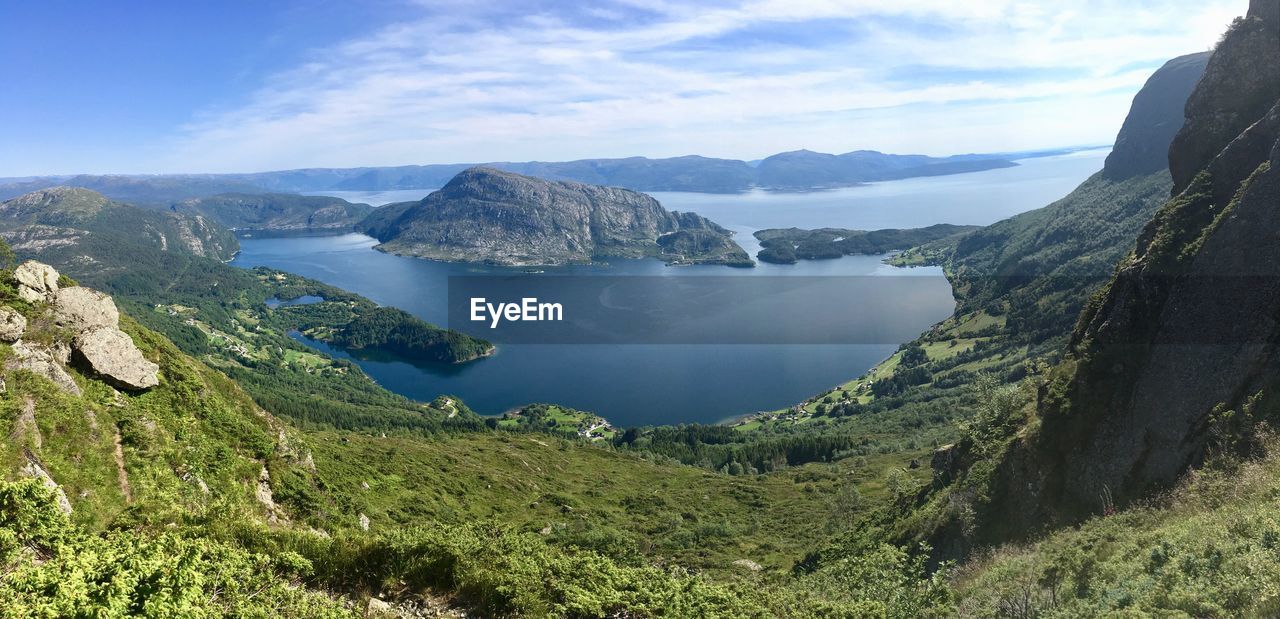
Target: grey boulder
111, 354
82, 309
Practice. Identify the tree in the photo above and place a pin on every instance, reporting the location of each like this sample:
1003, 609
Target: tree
912, 356
999, 408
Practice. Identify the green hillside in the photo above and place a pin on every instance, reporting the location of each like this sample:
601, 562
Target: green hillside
277, 211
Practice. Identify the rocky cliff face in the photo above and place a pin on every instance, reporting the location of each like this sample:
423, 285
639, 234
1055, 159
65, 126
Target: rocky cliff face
1142, 146
1181, 350
1241, 82
486, 215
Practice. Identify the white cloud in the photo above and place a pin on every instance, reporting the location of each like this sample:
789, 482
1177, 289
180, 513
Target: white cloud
1002, 75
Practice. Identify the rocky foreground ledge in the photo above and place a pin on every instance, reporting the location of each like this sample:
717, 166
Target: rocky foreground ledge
96, 344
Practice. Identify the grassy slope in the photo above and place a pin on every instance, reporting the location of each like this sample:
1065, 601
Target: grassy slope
1211, 547
596, 498
196, 427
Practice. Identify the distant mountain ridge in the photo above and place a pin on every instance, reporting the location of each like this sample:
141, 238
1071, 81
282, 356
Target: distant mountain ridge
791, 171
498, 217
140, 189
78, 222
277, 211
805, 170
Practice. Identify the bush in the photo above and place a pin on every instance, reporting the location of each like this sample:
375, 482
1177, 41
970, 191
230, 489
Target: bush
49, 568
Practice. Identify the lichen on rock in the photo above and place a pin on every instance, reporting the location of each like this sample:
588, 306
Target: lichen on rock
41, 361
12, 325
82, 309
36, 281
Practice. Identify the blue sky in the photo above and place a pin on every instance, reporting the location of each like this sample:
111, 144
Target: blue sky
194, 86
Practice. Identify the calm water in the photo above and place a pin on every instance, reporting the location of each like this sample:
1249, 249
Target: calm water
650, 384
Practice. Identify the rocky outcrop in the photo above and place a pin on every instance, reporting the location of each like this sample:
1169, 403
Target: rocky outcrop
1241, 82
486, 215
25, 428
97, 344
267, 499
42, 361
110, 353
945, 463
33, 469
36, 281
379, 608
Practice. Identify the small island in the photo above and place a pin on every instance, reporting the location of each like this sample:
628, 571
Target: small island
494, 217
789, 245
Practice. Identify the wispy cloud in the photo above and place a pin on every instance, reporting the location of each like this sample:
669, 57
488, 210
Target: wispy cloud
461, 82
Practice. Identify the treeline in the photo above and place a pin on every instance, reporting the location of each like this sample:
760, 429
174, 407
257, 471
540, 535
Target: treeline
788, 245
354, 405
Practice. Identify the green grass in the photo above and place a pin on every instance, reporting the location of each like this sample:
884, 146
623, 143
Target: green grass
577, 494
975, 322
559, 420
1210, 549
191, 447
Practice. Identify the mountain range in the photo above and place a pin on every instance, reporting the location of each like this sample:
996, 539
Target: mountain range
792, 171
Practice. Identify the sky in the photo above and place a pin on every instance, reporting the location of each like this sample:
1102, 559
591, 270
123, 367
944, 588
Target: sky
242, 86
